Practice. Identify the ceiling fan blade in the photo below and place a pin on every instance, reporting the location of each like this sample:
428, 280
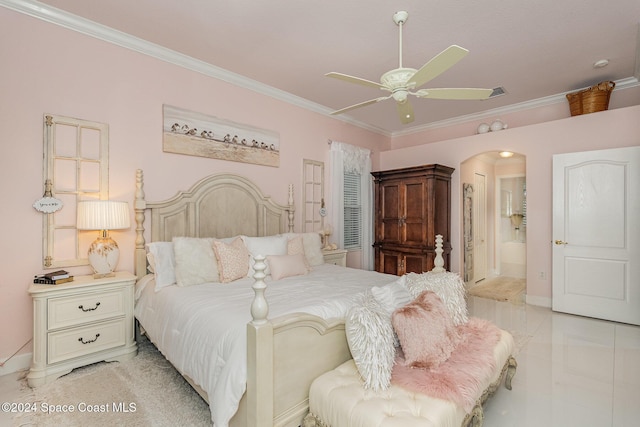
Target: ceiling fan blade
356, 80
437, 65
454, 93
362, 104
405, 111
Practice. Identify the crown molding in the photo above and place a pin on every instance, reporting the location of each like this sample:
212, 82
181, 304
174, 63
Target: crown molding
102, 32
621, 84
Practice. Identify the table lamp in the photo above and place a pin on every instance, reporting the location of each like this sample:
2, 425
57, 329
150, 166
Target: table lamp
103, 215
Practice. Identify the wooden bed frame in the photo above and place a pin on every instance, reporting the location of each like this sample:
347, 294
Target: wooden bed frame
285, 354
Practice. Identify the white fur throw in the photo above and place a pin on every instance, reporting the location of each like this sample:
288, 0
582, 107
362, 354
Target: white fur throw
448, 286
370, 338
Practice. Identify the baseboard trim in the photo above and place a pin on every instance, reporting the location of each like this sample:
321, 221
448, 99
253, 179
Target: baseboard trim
17, 363
539, 301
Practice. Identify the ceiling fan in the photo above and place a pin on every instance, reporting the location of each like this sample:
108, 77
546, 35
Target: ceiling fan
402, 82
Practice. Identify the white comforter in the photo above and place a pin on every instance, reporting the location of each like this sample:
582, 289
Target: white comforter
201, 329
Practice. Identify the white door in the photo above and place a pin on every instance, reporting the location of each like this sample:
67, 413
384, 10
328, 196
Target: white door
479, 228
596, 234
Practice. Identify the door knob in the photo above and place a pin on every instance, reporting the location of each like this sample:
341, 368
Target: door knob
560, 242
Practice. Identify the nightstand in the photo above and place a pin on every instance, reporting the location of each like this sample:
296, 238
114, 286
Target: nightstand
81, 322
335, 256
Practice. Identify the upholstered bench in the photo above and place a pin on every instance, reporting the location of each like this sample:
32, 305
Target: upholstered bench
338, 399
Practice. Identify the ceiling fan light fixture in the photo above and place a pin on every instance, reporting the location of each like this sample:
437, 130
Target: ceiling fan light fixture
400, 96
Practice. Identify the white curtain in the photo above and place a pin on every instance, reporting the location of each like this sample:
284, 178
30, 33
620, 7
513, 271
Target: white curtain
349, 158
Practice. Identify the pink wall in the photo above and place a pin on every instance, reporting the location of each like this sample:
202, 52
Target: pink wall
49, 69
603, 130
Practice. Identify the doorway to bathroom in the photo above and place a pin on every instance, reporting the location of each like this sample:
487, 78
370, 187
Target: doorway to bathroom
494, 225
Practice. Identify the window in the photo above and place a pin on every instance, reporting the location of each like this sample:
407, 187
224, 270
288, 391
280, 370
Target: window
352, 211
76, 163
313, 195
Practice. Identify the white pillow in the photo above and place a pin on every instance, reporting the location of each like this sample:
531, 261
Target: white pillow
370, 337
312, 247
162, 263
282, 266
195, 261
265, 246
393, 295
448, 286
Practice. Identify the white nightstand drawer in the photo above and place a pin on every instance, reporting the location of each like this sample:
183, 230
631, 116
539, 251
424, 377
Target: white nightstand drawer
76, 342
335, 257
88, 307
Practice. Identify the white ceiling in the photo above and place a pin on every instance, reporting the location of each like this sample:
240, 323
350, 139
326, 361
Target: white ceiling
534, 49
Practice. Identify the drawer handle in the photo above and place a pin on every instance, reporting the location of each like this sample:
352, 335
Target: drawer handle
81, 307
88, 341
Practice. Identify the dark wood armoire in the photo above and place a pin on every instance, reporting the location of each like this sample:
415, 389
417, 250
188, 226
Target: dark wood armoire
412, 206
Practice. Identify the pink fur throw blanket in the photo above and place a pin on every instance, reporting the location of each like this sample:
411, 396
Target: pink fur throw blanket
464, 375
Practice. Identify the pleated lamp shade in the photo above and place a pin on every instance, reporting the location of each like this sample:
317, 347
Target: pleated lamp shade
103, 215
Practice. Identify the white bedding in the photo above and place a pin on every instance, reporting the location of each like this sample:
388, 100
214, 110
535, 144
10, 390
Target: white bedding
201, 329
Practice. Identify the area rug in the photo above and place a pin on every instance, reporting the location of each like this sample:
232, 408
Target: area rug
501, 289
143, 391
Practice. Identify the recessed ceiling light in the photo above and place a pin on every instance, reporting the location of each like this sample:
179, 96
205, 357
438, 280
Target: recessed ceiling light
505, 154
601, 63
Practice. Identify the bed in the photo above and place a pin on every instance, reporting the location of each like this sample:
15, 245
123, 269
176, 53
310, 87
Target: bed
264, 363
254, 361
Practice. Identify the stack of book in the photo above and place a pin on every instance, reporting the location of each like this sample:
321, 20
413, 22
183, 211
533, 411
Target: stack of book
53, 278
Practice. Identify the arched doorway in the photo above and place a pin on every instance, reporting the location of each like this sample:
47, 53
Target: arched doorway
494, 217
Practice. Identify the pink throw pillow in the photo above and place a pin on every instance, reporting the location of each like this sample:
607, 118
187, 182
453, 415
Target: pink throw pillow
233, 259
287, 265
425, 330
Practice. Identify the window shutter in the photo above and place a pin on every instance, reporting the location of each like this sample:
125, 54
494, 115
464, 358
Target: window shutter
352, 212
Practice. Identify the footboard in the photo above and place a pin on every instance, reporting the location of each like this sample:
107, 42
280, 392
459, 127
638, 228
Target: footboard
285, 355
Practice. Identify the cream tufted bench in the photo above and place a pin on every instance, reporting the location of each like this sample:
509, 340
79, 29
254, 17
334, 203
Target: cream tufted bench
338, 399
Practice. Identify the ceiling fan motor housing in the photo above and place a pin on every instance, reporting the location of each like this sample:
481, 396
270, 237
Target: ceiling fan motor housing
397, 79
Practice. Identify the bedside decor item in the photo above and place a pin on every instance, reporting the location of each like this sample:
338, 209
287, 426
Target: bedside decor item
103, 215
47, 203
327, 231
591, 100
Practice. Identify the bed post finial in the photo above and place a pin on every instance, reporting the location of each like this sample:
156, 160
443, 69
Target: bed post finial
292, 208
439, 261
139, 207
259, 306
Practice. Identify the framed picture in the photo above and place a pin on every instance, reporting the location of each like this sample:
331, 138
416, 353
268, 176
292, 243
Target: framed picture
196, 134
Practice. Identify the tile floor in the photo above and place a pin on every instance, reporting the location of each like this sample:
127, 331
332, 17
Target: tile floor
572, 371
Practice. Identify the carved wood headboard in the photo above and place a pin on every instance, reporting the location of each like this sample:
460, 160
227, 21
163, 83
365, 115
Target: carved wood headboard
222, 205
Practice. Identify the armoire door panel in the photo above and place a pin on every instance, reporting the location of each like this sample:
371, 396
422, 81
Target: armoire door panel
390, 229
415, 263
389, 262
415, 222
